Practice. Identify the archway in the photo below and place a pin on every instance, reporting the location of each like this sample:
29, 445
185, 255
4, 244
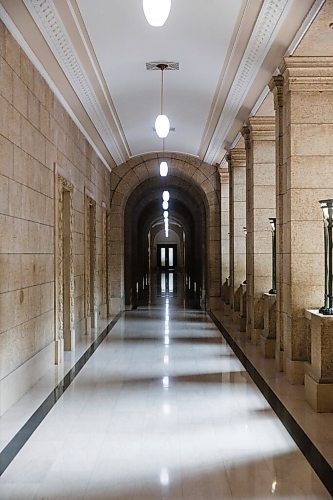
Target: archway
144, 216
136, 190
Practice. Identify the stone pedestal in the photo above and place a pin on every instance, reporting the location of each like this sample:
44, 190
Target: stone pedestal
319, 372
243, 308
268, 334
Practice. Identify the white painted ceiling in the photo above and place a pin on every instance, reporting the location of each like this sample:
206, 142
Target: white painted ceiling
93, 54
197, 35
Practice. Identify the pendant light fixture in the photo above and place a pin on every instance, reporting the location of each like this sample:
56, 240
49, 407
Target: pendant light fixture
166, 196
156, 11
162, 123
163, 165
164, 169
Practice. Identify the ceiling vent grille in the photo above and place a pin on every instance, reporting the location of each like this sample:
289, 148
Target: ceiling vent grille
154, 65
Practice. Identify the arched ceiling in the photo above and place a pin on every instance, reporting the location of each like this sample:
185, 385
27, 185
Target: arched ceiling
186, 205
93, 54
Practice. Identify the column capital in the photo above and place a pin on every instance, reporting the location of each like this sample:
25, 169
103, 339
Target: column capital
237, 157
224, 176
262, 128
246, 133
276, 86
308, 74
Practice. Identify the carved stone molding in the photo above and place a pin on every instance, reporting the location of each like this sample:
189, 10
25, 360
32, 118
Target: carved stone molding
89, 255
259, 44
262, 128
63, 185
308, 74
276, 86
48, 20
237, 157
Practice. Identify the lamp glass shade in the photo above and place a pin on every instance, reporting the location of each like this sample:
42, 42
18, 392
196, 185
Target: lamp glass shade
162, 126
165, 214
165, 205
166, 196
326, 205
156, 11
164, 169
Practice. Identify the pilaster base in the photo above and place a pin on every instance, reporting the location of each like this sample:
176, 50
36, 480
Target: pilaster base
267, 347
214, 303
235, 316
226, 309
279, 361
58, 351
87, 326
104, 311
295, 372
116, 305
69, 343
242, 323
318, 395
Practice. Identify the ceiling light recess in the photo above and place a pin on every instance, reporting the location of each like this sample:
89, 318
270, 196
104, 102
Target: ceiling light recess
156, 11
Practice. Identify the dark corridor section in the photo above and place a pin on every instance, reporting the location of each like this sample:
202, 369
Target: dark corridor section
148, 251
166, 256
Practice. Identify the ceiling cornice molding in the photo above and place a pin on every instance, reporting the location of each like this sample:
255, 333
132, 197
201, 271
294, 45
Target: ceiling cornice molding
51, 26
268, 22
11, 26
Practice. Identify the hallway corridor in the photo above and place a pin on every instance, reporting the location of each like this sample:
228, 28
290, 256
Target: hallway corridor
162, 409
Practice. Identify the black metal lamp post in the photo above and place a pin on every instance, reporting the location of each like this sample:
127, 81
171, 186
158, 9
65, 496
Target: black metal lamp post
327, 207
272, 221
245, 233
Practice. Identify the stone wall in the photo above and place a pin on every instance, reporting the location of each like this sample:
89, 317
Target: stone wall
37, 137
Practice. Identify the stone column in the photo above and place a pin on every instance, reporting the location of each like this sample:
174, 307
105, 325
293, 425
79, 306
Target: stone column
260, 205
276, 86
225, 267
305, 178
237, 214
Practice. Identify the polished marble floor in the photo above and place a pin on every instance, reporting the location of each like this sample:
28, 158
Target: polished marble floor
162, 409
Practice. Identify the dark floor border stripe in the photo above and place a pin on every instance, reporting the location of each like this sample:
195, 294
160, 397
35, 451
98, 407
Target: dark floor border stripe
309, 450
8, 454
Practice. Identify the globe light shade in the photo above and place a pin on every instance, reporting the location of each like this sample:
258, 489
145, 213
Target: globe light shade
162, 126
156, 11
165, 214
164, 169
165, 205
166, 196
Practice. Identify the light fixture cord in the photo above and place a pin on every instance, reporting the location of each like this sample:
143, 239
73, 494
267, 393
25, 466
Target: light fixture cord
162, 88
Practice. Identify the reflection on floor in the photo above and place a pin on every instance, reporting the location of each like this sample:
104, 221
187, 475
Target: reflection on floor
163, 409
171, 285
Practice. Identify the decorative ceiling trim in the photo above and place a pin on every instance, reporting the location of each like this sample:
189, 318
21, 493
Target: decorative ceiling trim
50, 24
268, 22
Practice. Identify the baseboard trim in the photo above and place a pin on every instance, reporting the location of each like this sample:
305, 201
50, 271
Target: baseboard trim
17, 383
